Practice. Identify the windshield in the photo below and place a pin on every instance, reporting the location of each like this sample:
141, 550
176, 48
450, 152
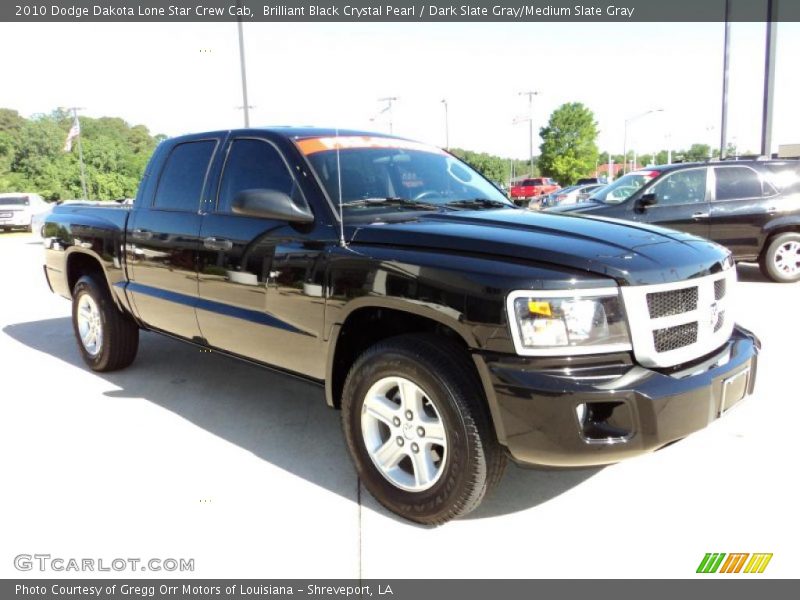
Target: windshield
392, 169
624, 187
15, 201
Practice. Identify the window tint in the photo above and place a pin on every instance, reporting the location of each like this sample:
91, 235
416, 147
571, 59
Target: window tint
253, 165
681, 187
737, 182
184, 173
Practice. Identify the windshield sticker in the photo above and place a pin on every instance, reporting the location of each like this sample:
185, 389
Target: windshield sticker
323, 144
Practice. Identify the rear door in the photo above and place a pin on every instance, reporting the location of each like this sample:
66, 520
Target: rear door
681, 202
260, 280
163, 240
743, 204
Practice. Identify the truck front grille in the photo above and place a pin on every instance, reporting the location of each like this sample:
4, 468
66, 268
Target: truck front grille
674, 323
672, 338
675, 302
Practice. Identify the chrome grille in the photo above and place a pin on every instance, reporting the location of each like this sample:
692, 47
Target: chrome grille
665, 304
719, 289
720, 321
672, 338
674, 323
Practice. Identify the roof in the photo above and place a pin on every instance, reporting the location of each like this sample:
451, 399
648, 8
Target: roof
296, 132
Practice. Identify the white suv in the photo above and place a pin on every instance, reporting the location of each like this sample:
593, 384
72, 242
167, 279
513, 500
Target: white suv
17, 210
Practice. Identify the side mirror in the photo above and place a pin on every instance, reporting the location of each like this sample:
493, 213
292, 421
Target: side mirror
648, 200
270, 204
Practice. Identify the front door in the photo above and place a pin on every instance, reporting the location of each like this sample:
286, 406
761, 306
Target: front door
260, 280
681, 202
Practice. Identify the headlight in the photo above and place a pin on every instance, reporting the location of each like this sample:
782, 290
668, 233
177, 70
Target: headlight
560, 323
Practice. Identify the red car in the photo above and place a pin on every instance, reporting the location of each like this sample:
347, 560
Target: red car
532, 188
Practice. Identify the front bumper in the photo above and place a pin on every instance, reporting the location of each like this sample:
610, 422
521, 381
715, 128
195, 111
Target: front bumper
584, 414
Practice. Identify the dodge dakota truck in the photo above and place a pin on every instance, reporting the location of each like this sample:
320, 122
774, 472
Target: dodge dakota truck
451, 329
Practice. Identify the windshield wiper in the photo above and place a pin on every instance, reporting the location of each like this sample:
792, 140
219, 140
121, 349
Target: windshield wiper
393, 201
482, 202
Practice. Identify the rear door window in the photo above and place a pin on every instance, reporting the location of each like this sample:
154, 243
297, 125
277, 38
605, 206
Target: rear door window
183, 177
737, 182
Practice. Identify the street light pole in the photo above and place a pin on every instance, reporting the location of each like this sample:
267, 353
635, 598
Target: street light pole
723, 126
446, 126
389, 100
530, 96
625, 136
245, 104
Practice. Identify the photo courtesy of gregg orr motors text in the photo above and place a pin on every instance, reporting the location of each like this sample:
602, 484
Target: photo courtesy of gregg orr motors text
45, 563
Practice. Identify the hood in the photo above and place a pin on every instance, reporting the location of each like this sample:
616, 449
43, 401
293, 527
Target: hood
580, 207
631, 253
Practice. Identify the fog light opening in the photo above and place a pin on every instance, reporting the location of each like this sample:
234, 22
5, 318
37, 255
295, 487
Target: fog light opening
605, 422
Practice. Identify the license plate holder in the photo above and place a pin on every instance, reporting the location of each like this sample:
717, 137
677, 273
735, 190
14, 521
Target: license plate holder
734, 389
6, 215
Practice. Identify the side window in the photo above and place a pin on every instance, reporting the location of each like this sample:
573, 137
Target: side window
681, 187
252, 165
737, 182
183, 176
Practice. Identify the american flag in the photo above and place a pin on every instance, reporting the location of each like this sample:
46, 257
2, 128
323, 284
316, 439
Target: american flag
74, 132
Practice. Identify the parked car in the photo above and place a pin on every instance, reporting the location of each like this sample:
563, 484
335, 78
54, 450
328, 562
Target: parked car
451, 328
750, 206
532, 188
569, 195
18, 209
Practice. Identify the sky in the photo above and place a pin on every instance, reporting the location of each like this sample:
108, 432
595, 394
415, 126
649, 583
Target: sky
185, 77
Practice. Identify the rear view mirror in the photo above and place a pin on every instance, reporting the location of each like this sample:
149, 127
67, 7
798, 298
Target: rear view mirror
270, 204
648, 200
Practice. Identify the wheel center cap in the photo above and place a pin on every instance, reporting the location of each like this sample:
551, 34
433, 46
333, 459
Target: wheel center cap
408, 431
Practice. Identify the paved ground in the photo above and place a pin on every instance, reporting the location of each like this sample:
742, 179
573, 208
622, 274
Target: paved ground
191, 454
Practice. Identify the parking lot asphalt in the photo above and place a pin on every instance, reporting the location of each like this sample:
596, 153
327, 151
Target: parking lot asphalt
189, 454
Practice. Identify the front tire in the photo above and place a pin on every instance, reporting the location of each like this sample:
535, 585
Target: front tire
107, 338
780, 261
417, 428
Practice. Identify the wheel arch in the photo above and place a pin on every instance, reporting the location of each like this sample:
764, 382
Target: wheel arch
80, 262
370, 320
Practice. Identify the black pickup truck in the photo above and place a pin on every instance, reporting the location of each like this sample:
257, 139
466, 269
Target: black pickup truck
452, 329
752, 207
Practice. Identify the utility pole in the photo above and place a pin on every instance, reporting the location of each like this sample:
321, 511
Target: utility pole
446, 126
387, 109
723, 134
769, 77
245, 105
75, 110
530, 96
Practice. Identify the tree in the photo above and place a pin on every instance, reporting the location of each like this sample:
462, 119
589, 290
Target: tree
32, 158
569, 148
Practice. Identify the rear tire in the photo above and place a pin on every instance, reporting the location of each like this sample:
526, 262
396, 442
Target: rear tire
780, 260
107, 338
418, 430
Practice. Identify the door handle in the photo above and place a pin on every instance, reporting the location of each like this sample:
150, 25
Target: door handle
212, 243
142, 234
700, 215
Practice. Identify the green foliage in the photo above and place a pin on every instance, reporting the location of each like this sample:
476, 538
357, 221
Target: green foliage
32, 158
569, 149
494, 168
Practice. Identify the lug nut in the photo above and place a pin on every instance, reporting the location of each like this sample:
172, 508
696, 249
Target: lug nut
400, 441
420, 432
409, 415
414, 448
396, 421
